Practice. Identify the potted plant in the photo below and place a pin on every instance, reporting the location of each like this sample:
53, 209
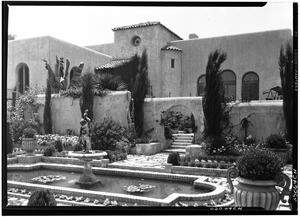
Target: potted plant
277, 144
258, 172
29, 143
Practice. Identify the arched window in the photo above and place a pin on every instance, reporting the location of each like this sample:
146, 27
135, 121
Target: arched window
200, 85
22, 78
250, 87
229, 81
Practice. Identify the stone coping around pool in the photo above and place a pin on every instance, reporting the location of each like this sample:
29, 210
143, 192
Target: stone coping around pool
217, 190
65, 202
174, 169
87, 155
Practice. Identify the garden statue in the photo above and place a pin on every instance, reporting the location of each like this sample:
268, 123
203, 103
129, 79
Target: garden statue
84, 135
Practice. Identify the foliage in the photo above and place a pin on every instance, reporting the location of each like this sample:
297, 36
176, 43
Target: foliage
41, 197
178, 121
106, 134
245, 124
168, 133
139, 92
67, 140
49, 150
29, 132
116, 155
75, 92
87, 97
16, 114
47, 109
11, 37
214, 100
215, 146
110, 82
58, 145
276, 141
286, 69
250, 140
146, 137
70, 132
9, 146
258, 164
78, 147
174, 159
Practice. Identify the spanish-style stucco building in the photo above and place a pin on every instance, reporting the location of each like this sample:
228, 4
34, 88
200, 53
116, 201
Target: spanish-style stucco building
176, 66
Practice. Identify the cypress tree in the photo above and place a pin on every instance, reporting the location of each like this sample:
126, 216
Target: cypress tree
87, 98
47, 109
286, 70
140, 90
214, 95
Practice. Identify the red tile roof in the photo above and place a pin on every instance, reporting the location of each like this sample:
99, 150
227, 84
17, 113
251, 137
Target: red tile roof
113, 64
145, 25
170, 47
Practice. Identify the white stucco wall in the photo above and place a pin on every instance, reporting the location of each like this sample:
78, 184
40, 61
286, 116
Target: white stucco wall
66, 112
267, 116
32, 52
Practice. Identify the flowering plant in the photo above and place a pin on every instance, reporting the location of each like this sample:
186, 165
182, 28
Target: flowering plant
66, 140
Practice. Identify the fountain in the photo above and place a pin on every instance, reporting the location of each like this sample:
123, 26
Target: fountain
87, 155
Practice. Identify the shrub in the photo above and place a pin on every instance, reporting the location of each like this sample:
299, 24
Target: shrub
41, 197
58, 145
106, 134
258, 164
215, 146
174, 159
78, 147
9, 140
250, 140
49, 151
29, 132
276, 141
70, 132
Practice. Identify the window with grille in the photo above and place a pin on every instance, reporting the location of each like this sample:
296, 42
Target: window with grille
23, 78
229, 81
250, 87
201, 85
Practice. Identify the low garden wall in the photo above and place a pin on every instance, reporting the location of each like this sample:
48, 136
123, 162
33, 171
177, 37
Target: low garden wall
266, 116
66, 112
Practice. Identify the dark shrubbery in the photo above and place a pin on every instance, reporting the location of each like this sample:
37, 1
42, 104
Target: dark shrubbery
49, 151
58, 145
41, 197
78, 147
29, 132
116, 155
106, 134
9, 140
276, 141
216, 146
174, 159
258, 164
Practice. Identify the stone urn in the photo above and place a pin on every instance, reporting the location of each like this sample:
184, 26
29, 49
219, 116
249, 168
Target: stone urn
29, 145
258, 193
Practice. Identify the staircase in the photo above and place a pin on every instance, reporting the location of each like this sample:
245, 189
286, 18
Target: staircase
180, 141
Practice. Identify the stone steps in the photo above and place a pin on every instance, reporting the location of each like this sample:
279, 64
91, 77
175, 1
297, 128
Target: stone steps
180, 141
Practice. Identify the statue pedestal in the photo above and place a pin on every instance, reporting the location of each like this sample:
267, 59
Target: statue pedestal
87, 177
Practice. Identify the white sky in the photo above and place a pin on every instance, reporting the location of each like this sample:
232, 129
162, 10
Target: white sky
84, 25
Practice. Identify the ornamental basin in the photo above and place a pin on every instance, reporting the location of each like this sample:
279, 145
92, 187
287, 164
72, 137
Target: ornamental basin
87, 178
91, 155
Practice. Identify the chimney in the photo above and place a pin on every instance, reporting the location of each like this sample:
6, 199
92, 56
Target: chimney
192, 36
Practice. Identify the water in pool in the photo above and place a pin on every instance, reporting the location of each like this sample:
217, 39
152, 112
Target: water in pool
113, 184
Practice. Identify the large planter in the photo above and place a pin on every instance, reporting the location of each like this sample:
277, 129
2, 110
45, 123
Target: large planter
259, 193
281, 153
29, 145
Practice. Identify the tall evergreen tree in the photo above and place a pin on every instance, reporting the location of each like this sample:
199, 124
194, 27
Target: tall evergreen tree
87, 98
47, 109
214, 95
140, 90
286, 70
